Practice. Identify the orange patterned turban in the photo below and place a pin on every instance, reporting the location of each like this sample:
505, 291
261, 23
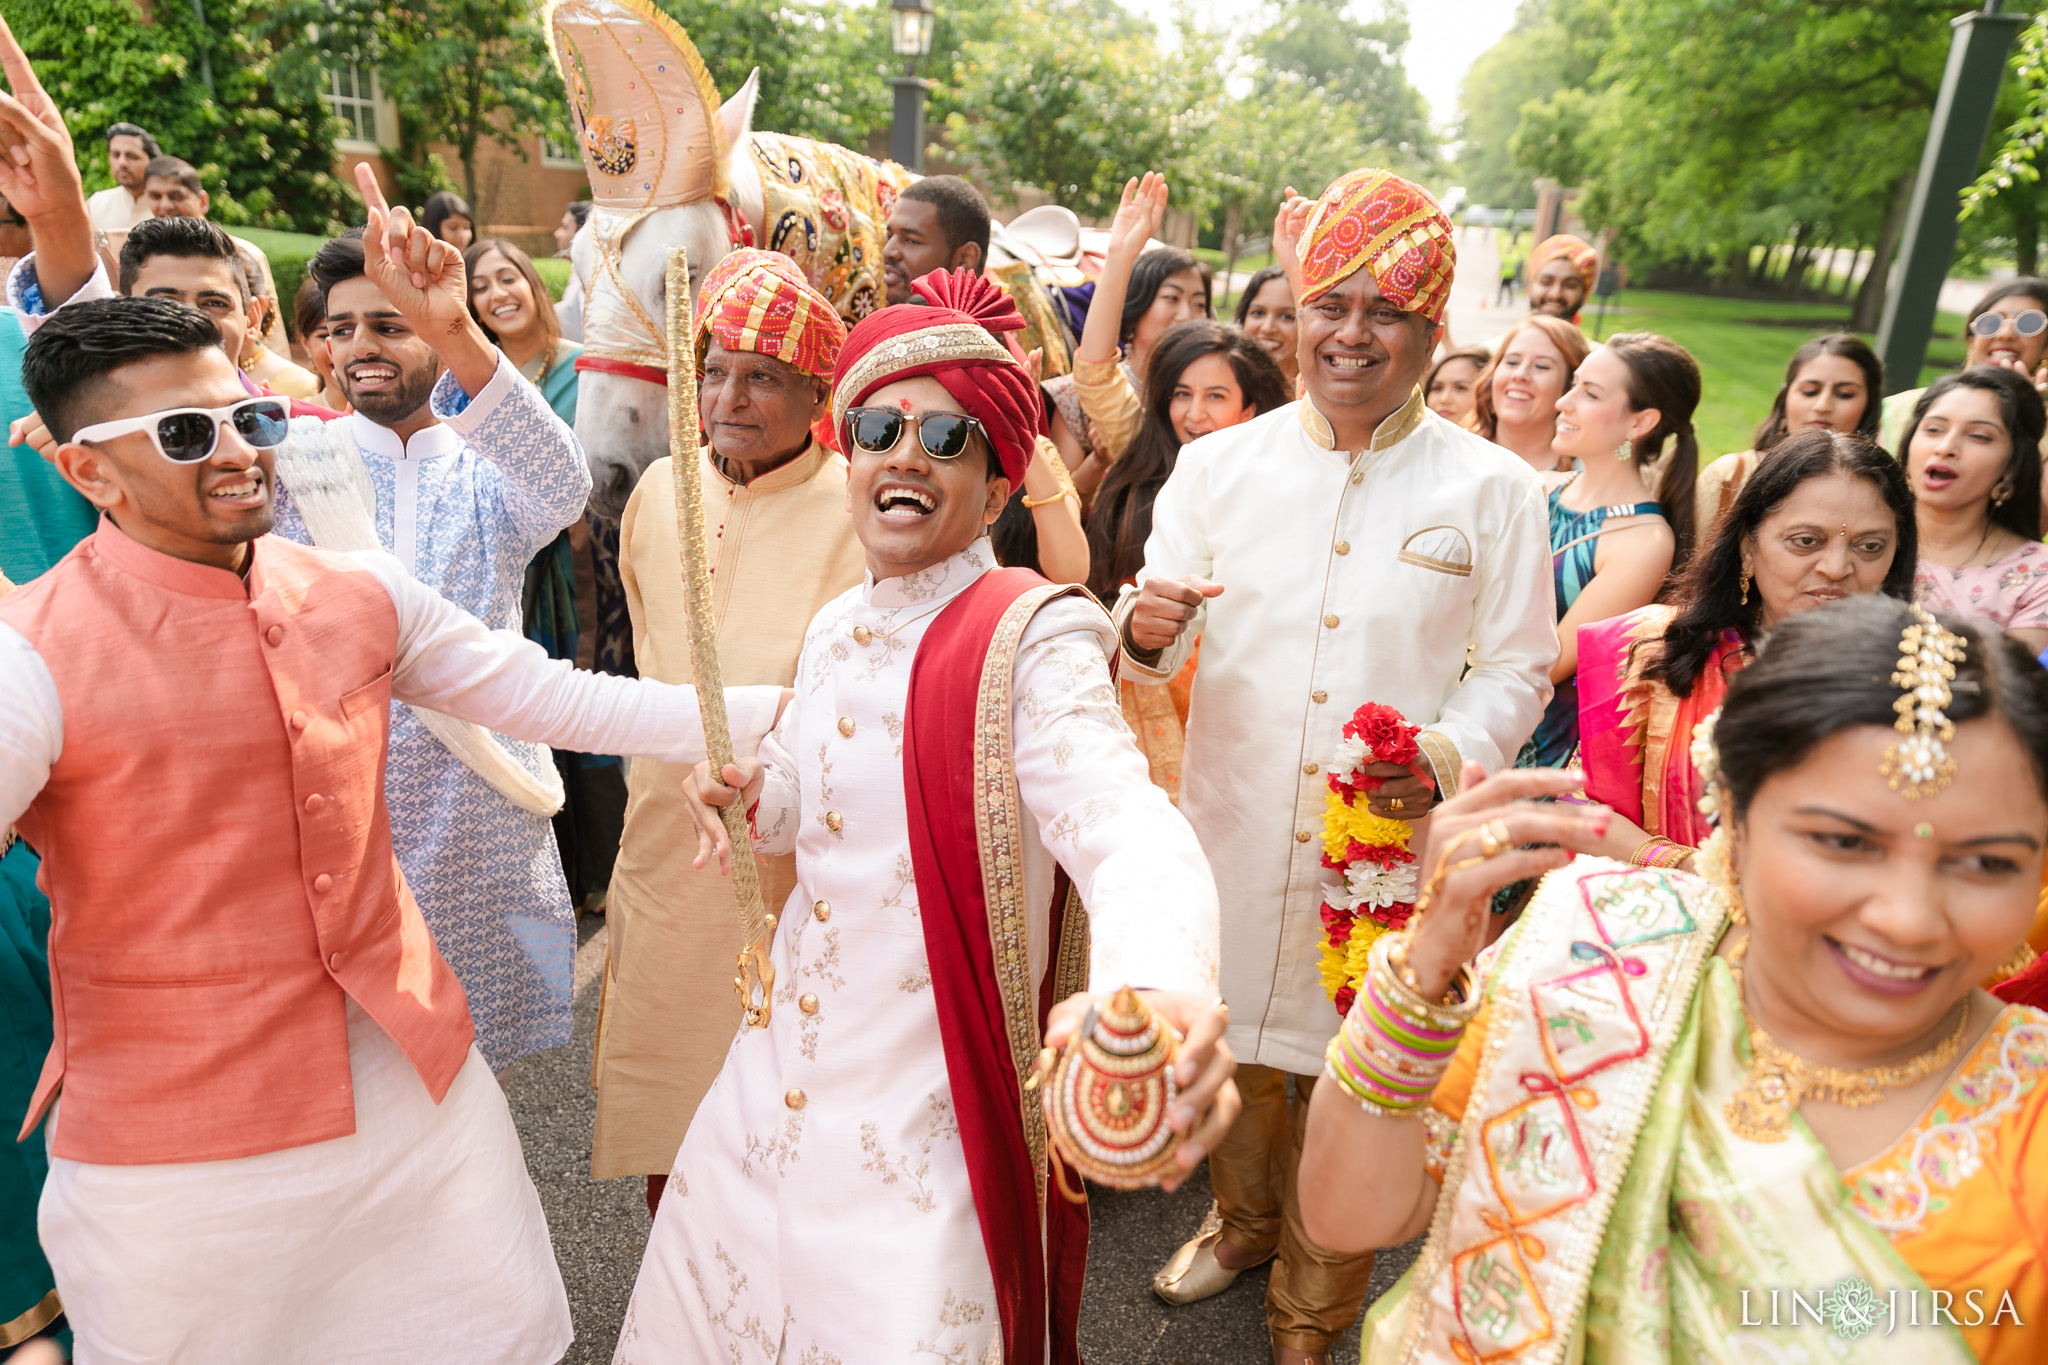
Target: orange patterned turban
759, 301
1376, 219
1577, 250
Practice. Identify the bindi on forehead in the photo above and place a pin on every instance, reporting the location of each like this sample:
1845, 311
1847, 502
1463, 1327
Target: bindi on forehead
903, 403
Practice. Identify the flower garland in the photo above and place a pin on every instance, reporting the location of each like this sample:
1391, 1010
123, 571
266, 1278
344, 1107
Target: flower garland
1376, 880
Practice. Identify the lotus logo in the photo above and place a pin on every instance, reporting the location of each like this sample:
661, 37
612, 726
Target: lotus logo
1853, 1308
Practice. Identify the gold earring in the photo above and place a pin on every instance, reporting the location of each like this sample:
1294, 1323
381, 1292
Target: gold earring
1745, 587
1625, 451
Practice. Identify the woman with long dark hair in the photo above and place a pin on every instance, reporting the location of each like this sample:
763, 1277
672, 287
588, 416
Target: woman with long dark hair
1833, 382
1678, 1092
1138, 296
1611, 551
1266, 314
1827, 515
1204, 377
447, 216
1974, 465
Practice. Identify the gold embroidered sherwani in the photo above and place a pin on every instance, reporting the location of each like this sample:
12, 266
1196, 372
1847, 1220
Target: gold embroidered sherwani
820, 1208
781, 547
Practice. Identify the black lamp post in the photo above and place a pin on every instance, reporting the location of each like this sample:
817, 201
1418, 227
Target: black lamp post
1955, 141
910, 36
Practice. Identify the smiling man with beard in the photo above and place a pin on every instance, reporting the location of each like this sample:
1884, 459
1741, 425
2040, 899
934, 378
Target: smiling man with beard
458, 467
1351, 547
955, 758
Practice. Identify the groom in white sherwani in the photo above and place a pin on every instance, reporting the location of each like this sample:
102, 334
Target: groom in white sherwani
866, 1180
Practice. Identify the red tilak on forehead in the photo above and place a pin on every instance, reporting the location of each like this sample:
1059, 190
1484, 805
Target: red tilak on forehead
904, 403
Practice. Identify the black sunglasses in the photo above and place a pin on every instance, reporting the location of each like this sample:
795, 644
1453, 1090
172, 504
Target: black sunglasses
942, 434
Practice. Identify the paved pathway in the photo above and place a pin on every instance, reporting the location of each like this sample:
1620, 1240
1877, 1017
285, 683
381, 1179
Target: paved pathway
600, 1228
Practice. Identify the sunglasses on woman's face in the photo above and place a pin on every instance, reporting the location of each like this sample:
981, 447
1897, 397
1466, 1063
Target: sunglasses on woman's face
942, 434
189, 435
2031, 323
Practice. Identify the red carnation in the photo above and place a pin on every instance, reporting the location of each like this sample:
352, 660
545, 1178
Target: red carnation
1342, 1000
1390, 737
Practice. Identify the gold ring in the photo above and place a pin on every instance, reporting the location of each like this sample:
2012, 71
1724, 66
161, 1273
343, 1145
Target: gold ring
1395, 803
1494, 838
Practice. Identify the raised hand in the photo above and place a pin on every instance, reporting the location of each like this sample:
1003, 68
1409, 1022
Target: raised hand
421, 275
38, 173
1288, 225
1138, 215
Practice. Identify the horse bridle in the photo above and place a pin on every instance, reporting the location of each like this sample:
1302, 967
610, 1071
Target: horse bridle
738, 234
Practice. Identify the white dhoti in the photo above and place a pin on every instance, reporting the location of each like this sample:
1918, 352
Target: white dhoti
419, 1237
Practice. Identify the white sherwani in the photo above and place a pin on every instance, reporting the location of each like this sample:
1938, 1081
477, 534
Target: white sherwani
1416, 575
819, 1210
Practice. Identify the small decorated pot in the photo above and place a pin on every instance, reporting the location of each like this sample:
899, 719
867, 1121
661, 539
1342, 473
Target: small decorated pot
1107, 1095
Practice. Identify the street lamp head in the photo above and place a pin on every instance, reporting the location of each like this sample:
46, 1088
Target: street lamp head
910, 27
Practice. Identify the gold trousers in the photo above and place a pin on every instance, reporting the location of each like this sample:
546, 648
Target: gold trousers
1314, 1293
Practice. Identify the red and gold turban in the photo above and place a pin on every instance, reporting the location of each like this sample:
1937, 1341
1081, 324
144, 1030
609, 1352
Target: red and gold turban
1395, 229
952, 338
1577, 250
759, 301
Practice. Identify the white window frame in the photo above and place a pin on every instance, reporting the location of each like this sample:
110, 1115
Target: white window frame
369, 101
559, 156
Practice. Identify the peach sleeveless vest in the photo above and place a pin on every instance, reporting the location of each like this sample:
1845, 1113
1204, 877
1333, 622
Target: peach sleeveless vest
217, 853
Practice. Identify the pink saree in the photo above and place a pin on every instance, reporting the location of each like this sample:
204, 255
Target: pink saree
1635, 736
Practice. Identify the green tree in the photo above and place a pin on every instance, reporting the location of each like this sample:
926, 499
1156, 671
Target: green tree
1074, 105
1356, 66
209, 92
459, 71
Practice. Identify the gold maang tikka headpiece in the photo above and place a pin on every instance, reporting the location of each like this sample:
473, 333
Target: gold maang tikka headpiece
1919, 764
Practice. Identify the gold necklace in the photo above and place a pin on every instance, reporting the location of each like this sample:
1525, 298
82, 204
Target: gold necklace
862, 635
1780, 1081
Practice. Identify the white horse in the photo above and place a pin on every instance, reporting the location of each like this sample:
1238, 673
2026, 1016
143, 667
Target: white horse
623, 421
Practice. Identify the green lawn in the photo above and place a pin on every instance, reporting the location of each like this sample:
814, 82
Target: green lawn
1743, 346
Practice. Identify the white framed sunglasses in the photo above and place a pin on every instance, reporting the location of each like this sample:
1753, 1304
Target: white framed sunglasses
2030, 323
189, 435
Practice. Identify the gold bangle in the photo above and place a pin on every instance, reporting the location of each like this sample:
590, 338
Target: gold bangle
1067, 490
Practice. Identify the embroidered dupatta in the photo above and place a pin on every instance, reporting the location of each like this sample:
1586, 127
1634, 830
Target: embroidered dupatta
1635, 736
967, 850
1596, 1209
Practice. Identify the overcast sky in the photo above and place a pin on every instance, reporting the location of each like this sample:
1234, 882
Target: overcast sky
1448, 34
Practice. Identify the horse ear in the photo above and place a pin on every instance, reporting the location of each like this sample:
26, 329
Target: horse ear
736, 113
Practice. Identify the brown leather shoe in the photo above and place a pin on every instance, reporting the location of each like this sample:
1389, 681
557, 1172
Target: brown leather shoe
1193, 1273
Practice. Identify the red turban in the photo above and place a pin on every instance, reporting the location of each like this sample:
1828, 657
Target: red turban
1577, 250
760, 301
1392, 228
953, 339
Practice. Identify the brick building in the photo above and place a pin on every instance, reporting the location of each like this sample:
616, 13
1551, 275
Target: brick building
521, 200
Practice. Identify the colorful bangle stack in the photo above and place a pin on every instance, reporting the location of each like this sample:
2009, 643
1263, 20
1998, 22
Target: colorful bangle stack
1659, 852
1395, 1045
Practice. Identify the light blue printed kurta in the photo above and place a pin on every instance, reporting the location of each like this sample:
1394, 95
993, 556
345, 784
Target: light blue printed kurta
464, 505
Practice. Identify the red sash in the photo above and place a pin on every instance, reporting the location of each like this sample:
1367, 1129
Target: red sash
941, 784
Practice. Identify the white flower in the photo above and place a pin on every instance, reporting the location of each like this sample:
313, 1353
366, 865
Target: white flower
1352, 755
1377, 886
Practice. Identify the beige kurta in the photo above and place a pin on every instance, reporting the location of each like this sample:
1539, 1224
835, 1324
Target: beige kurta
781, 548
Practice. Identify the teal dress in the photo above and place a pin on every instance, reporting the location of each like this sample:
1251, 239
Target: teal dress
41, 516
593, 814
28, 1291
1574, 539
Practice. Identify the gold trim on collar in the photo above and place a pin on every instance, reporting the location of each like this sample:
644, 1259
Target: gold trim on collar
1398, 426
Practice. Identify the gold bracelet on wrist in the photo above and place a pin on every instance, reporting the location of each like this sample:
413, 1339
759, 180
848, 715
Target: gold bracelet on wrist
1389, 962
1066, 490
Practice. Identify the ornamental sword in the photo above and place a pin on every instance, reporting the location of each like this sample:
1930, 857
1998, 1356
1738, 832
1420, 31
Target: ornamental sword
755, 982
